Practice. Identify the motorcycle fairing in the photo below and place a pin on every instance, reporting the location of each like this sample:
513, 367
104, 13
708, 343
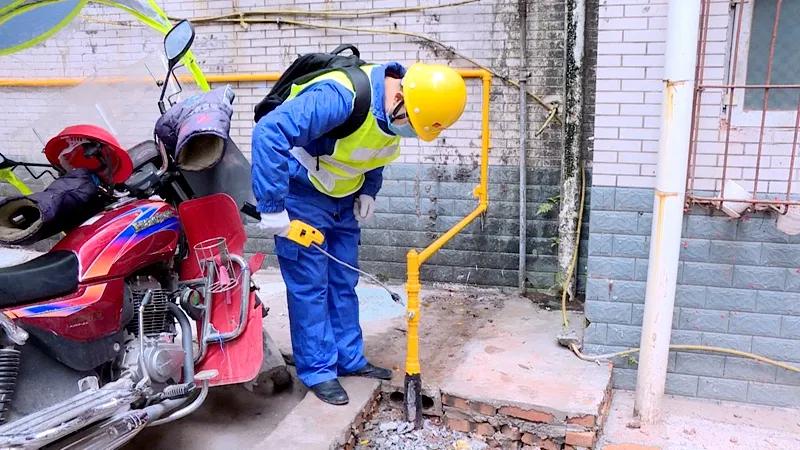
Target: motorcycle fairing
91, 312
118, 242
238, 360
79, 329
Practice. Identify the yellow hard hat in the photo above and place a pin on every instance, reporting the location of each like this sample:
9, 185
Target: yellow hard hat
435, 96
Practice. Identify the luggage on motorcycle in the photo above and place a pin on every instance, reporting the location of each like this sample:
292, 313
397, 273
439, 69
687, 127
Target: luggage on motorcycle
194, 131
311, 65
69, 201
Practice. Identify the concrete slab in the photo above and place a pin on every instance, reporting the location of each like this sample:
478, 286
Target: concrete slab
690, 423
315, 425
516, 361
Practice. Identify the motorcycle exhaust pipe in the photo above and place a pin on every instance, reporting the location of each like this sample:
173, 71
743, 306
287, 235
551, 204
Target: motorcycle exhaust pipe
118, 431
113, 433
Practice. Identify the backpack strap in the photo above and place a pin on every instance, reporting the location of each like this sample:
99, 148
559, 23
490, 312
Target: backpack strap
361, 106
338, 50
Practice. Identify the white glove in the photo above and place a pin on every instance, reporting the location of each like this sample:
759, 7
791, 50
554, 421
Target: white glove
364, 208
274, 223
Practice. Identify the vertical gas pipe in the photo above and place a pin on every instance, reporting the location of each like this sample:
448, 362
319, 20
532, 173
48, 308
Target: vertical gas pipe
413, 381
673, 152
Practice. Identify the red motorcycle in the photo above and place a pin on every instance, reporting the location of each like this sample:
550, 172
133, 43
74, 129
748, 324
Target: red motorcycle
135, 313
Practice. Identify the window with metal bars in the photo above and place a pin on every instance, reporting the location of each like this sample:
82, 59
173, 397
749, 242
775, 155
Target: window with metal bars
746, 113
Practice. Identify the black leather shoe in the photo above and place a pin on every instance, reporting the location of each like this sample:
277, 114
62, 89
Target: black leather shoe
370, 371
331, 392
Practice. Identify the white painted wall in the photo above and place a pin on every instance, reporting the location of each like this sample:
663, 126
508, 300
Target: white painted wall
630, 60
483, 30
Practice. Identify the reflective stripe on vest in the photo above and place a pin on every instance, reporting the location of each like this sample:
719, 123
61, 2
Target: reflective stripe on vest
369, 147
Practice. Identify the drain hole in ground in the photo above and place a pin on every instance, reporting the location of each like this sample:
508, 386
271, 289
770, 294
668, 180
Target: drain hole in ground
427, 402
397, 397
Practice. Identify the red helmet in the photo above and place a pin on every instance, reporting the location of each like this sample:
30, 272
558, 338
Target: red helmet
68, 150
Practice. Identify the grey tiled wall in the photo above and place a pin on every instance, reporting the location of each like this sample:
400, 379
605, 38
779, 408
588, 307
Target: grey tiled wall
419, 202
738, 287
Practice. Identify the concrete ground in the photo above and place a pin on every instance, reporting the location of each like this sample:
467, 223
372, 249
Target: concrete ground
231, 418
315, 425
476, 344
479, 344
694, 424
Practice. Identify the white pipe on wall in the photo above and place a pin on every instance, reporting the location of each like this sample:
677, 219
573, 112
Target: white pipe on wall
673, 153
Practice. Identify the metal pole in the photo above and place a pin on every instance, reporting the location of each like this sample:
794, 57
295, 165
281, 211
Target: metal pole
523, 143
679, 72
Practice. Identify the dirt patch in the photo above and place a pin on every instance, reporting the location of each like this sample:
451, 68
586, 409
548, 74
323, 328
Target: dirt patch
550, 302
466, 315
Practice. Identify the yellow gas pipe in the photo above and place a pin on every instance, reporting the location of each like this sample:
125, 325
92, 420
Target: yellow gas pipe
413, 380
212, 78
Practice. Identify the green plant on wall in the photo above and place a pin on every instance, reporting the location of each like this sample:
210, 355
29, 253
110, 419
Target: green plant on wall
548, 206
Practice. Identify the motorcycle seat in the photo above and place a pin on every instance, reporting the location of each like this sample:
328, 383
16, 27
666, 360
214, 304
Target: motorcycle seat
47, 276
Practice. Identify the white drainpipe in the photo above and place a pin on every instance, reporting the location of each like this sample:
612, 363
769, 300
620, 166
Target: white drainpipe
673, 152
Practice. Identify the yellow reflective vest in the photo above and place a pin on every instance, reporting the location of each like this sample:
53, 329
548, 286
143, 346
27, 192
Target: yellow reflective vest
369, 147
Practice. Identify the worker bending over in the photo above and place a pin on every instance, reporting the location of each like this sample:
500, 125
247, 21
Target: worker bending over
300, 172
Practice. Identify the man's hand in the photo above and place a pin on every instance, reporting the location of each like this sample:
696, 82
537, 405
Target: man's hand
364, 208
274, 223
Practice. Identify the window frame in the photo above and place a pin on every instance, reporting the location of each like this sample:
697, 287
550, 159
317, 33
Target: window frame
741, 117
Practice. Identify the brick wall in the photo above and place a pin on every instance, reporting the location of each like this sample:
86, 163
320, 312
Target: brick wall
631, 35
738, 280
738, 287
428, 189
630, 58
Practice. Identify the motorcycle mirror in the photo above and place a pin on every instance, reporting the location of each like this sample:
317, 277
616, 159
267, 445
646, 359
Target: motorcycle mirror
178, 41
176, 44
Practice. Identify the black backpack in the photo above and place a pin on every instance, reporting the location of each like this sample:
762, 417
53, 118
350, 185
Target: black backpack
311, 65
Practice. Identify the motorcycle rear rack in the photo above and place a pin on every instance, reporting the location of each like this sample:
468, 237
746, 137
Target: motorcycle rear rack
209, 333
61, 419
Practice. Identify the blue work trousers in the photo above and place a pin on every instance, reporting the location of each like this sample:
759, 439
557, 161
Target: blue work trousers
323, 306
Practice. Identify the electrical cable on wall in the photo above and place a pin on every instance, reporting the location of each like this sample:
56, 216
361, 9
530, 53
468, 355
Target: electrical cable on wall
345, 14
249, 17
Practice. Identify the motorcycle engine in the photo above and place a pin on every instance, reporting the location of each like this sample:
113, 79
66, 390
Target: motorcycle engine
163, 354
156, 317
